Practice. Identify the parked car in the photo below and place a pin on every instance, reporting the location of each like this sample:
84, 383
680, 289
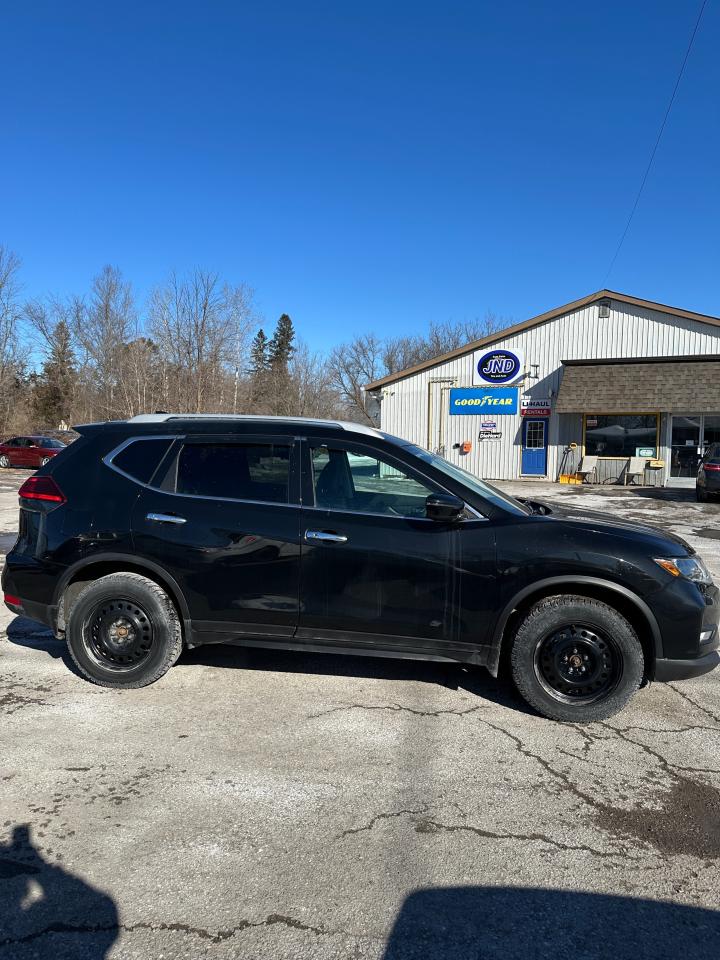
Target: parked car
167, 531
29, 451
707, 484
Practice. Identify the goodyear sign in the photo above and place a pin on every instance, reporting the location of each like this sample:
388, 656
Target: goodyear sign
484, 400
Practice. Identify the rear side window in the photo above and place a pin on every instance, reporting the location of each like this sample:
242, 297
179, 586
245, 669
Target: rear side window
141, 458
236, 471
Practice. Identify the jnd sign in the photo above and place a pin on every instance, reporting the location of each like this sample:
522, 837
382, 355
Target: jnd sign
483, 400
498, 366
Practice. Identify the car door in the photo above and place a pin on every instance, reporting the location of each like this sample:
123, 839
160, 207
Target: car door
223, 519
21, 453
375, 571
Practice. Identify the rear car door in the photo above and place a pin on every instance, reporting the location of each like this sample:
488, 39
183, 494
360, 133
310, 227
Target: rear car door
375, 572
222, 517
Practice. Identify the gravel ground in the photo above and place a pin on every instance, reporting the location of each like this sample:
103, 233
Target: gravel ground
262, 805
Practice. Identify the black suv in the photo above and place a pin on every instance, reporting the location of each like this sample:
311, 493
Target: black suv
168, 531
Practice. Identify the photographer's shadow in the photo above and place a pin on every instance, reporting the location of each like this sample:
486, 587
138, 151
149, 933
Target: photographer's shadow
47, 910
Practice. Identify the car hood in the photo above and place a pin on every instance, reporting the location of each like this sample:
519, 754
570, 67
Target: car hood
593, 520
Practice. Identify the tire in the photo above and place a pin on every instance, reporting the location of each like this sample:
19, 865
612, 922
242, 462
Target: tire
5, 461
110, 657
44, 461
701, 495
576, 659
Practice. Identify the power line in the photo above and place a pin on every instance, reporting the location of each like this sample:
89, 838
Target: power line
657, 143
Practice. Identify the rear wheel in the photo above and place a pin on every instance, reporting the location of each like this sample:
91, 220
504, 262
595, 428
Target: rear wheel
44, 461
4, 461
576, 659
701, 494
123, 631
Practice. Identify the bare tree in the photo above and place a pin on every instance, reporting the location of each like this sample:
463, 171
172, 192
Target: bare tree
354, 364
11, 363
312, 392
202, 330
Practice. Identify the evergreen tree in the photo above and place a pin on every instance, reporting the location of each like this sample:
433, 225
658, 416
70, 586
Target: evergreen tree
55, 385
259, 354
281, 345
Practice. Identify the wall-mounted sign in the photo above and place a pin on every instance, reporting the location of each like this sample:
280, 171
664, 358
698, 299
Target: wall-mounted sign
536, 408
488, 425
644, 451
497, 401
498, 366
489, 435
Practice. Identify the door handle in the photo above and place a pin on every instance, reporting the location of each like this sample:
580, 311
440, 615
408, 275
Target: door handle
165, 518
325, 536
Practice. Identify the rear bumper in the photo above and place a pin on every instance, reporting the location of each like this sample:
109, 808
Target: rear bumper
686, 669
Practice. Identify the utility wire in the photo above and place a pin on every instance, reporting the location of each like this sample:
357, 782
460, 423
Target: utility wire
657, 143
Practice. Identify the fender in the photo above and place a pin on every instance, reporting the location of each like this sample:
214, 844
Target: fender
131, 560
493, 660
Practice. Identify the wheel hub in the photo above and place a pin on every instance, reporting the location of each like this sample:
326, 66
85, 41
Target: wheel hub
119, 634
577, 663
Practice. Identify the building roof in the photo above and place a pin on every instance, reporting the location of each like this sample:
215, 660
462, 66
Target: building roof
640, 386
536, 321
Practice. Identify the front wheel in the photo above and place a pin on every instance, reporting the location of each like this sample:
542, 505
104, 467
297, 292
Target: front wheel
44, 461
576, 659
123, 631
4, 461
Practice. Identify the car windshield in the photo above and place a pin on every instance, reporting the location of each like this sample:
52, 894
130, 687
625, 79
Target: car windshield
481, 487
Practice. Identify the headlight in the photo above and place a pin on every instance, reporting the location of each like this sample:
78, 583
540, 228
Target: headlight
691, 568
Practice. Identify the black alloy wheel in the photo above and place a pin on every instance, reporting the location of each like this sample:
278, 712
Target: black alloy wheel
577, 664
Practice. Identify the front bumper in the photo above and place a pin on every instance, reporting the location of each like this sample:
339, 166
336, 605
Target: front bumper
686, 669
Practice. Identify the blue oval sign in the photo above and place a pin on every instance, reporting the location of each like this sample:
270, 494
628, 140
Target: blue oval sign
499, 366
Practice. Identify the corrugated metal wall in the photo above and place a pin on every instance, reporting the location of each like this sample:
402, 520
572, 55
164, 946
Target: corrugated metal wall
629, 332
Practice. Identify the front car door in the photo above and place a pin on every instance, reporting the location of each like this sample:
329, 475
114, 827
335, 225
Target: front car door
375, 571
223, 519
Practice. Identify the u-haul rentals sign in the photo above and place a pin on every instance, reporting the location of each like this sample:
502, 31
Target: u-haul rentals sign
541, 407
495, 401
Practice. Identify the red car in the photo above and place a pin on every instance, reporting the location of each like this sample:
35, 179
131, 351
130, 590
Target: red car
28, 451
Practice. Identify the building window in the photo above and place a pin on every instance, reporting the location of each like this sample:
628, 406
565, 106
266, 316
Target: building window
621, 434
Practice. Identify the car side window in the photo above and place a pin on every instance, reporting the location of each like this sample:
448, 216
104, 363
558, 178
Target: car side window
361, 482
141, 458
235, 471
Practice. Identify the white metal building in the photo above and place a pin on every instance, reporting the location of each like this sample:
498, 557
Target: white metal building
617, 376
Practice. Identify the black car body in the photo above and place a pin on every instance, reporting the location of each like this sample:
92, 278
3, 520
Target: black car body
322, 536
708, 476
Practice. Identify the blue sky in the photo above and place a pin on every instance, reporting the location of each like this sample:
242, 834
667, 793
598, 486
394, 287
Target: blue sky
364, 166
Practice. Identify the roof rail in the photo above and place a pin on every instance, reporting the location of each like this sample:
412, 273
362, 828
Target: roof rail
251, 417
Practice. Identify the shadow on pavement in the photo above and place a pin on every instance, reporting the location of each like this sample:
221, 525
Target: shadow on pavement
48, 911
512, 923
27, 633
454, 676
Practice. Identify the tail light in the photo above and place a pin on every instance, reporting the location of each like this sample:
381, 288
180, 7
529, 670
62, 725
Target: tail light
42, 488
711, 467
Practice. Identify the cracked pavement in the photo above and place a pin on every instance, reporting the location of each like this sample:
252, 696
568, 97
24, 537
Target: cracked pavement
256, 804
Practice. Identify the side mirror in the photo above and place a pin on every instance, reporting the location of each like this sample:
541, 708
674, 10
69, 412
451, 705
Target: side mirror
443, 507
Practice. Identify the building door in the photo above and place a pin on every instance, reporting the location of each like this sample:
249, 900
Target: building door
534, 447
685, 445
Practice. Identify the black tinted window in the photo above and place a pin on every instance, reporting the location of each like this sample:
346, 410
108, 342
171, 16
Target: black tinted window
360, 482
141, 458
237, 471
